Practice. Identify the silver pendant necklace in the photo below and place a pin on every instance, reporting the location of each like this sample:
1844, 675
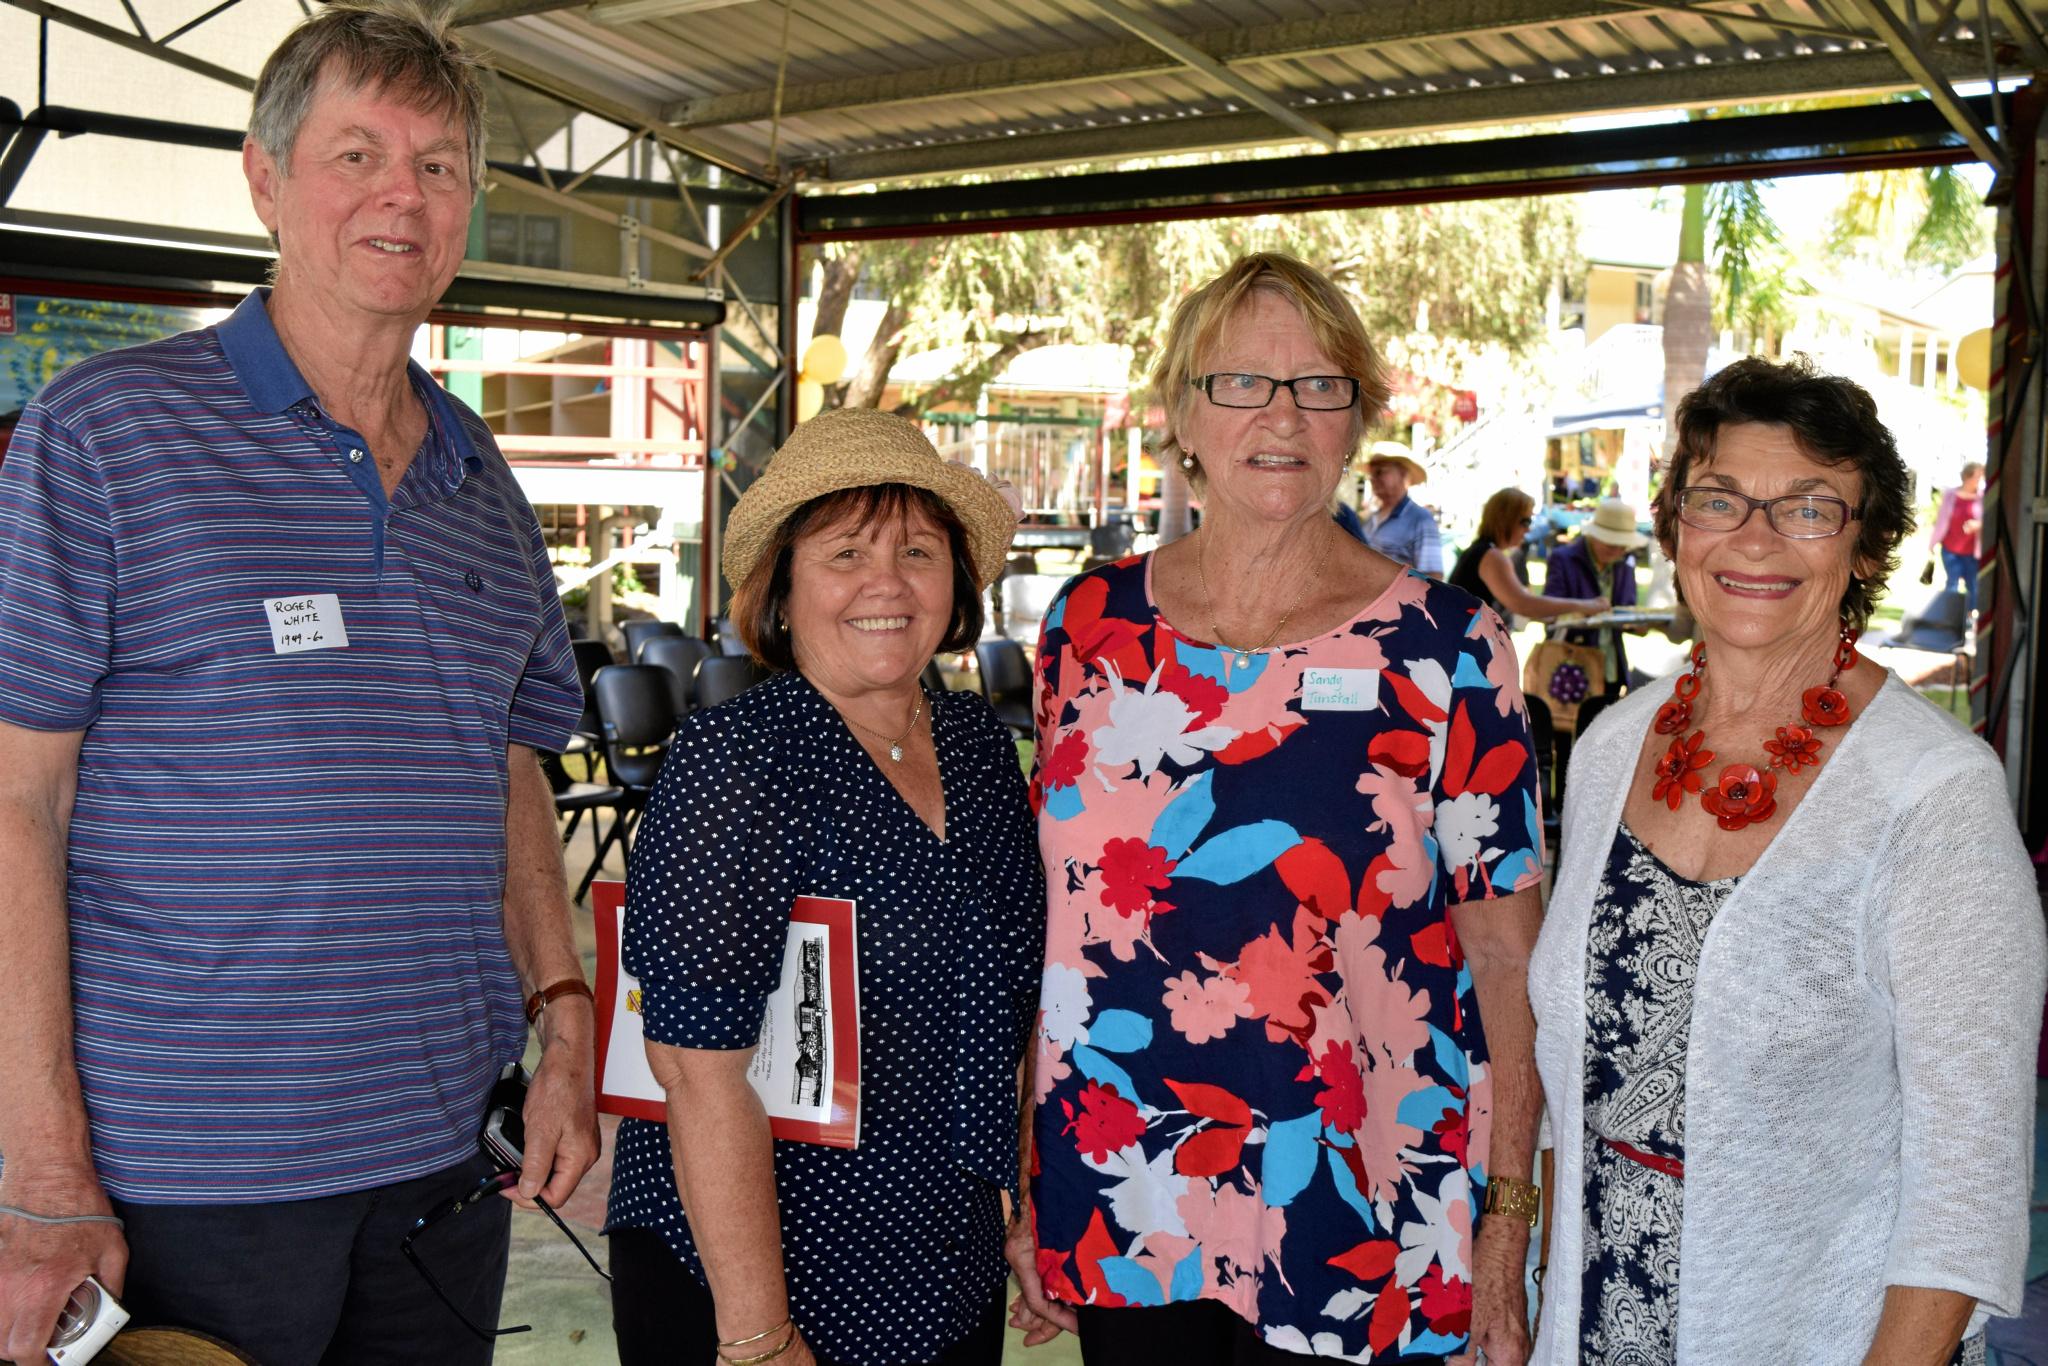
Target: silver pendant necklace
896, 745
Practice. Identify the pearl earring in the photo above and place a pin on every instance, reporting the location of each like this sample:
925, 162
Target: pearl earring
1187, 462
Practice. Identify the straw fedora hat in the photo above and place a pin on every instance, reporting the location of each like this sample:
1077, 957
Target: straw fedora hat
1614, 522
850, 448
1382, 451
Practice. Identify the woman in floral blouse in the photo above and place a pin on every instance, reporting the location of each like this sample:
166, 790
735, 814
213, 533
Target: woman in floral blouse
1287, 810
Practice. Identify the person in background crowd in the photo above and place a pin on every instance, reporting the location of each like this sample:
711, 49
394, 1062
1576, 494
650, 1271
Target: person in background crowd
1399, 527
281, 642
1600, 563
1486, 570
1787, 988
1287, 811
1958, 533
854, 558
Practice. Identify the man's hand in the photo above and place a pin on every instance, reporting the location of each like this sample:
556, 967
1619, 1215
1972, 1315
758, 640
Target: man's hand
41, 1264
561, 1106
1039, 1318
1500, 1304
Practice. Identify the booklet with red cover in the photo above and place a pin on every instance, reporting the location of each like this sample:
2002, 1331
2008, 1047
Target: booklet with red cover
806, 1069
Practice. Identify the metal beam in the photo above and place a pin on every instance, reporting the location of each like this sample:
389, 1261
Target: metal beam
1730, 82
491, 11
599, 212
122, 38
615, 12
1838, 137
2021, 28
1186, 53
1383, 22
537, 77
1919, 63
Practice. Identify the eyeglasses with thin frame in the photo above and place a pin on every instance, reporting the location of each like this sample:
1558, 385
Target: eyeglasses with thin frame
489, 1186
1796, 516
1315, 393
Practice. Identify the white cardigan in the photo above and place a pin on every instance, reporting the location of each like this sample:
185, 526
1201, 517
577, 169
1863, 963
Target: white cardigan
1859, 1094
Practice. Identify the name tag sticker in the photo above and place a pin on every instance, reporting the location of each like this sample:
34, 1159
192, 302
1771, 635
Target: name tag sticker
1340, 689
309, 621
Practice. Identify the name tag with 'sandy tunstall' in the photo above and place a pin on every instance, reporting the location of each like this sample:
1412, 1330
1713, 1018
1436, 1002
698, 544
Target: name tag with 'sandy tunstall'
308, 621
1340, 689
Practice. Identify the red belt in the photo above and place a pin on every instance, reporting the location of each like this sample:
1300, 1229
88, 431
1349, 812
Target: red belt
1670, 1166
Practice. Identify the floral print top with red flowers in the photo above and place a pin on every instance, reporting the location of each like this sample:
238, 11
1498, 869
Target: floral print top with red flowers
1260, 1072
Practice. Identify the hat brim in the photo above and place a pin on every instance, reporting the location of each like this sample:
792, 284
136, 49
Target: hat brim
1627, 540
1417, 472
788, 484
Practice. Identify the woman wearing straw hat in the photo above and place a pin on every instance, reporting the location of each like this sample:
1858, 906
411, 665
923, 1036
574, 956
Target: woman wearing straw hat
1288, 816
1400, 528
854, 558
1600, 563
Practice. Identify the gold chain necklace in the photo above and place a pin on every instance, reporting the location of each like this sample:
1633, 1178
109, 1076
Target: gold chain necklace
1244, 656
896, 745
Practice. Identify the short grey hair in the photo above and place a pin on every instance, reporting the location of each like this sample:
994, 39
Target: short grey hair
400, 46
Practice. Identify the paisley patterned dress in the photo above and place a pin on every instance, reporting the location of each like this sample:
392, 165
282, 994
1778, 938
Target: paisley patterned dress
1641, 951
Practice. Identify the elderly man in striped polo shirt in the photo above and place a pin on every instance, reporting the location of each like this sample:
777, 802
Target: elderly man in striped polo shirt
278, 643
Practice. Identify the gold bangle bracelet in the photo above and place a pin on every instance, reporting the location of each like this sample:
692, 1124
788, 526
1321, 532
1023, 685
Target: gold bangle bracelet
764, 1333
786, 1344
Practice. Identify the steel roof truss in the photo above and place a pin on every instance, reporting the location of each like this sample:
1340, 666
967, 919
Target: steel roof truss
1918, 62
147, 48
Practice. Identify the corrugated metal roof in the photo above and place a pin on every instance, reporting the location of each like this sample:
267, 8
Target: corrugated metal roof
887, 89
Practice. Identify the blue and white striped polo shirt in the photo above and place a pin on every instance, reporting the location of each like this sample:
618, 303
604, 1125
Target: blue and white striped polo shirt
286, 865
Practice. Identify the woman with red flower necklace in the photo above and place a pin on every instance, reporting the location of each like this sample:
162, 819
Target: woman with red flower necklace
1785, 990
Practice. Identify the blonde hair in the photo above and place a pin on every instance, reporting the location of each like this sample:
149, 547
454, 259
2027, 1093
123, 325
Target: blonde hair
1201, 317
1503, 512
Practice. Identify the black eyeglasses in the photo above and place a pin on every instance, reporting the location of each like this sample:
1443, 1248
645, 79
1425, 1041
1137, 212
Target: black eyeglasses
485, 1189
1528, 521
1797, 516
1317, 393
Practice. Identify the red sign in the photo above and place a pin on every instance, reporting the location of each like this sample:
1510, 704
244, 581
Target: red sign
6, 315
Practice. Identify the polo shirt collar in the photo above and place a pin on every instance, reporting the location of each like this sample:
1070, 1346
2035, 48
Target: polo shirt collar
273, 383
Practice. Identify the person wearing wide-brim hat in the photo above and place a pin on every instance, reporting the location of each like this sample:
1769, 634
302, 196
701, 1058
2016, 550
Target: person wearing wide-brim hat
856, 557
1400, 528
1600, 562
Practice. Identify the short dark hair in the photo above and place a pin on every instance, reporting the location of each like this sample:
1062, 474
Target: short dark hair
758, 605
1835, 422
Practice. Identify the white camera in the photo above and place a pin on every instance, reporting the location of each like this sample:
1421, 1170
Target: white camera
88, 1322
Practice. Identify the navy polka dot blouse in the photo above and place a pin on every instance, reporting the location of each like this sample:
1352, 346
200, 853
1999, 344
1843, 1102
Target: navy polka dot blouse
894, 1249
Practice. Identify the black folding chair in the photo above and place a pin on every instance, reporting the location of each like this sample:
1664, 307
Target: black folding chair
729, 642
1006, 682
678, 656
932, 678
638, 719
591, 655
720, 678
574, 799
641, 630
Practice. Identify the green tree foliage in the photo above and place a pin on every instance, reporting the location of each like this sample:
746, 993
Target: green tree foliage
1434, 283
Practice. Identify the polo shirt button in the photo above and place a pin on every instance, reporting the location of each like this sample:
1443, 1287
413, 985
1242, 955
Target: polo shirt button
355, 457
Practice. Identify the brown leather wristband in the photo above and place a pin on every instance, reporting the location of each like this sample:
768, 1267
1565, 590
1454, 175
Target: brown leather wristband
548, 995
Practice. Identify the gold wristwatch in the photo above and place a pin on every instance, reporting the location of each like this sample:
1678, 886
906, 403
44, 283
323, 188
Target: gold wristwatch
1518, 1199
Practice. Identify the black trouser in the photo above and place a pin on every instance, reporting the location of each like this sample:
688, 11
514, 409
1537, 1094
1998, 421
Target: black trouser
1197, 1333
663, 1316
302, 1282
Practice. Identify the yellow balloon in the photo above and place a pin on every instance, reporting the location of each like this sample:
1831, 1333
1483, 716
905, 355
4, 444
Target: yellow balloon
825, 359
810, 396
1973, 359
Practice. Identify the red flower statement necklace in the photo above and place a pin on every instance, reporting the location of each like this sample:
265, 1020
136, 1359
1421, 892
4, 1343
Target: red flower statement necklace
1745, 794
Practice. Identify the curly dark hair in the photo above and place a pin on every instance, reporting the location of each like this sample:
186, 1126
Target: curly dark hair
1835, 421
